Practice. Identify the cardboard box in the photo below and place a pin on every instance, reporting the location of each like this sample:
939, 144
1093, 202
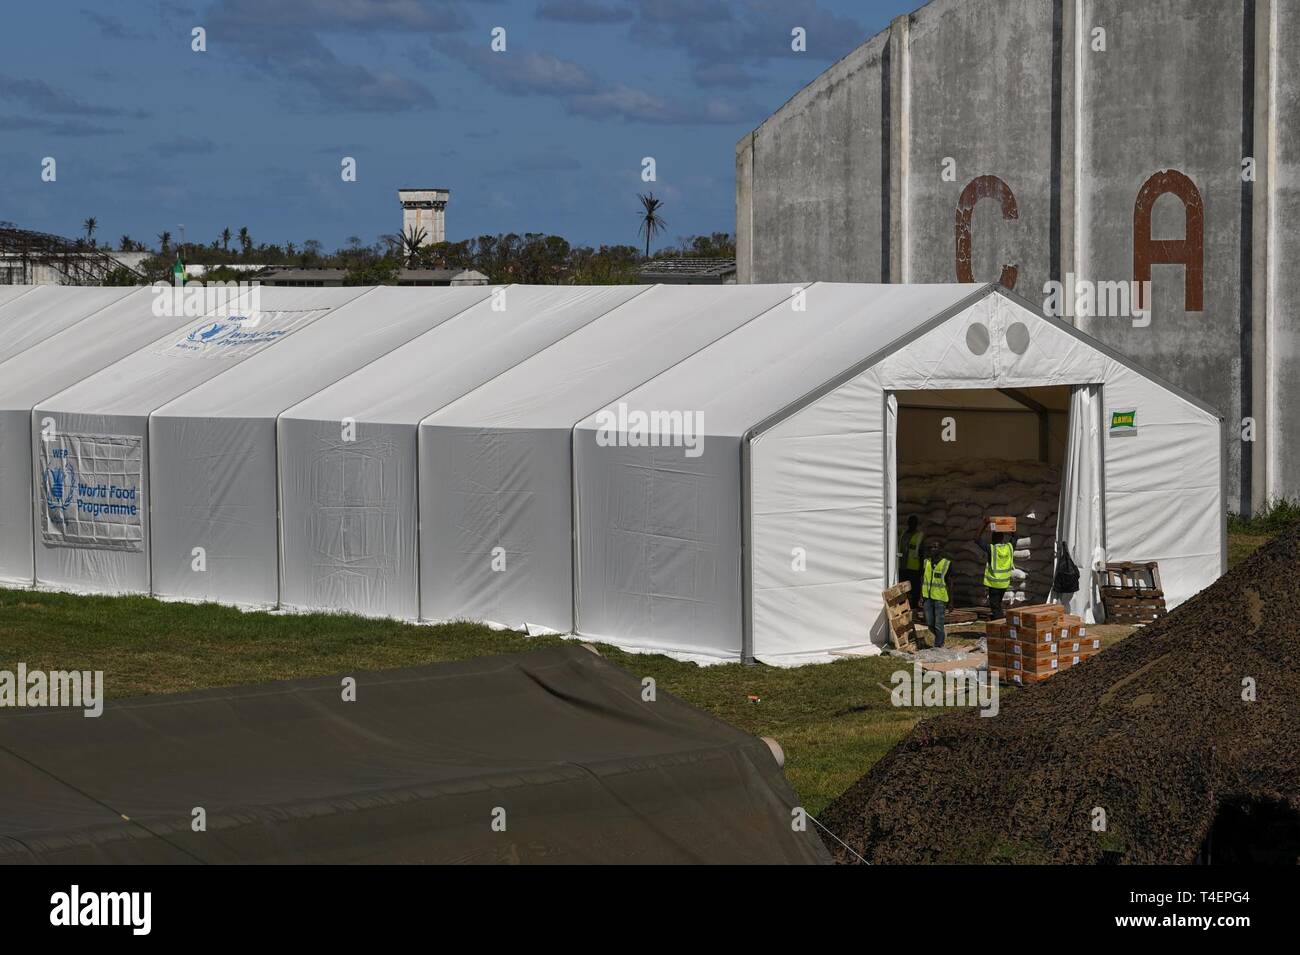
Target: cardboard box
1035, 617
1020, 635
1024, 678
1002, 525
1030, 651
1035, 665
1084, 646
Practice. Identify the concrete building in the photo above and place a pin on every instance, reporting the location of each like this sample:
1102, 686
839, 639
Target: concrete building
23, 270
1091, 143
425, 209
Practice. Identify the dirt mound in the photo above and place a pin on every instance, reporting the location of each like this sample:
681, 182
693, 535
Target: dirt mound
1153, 732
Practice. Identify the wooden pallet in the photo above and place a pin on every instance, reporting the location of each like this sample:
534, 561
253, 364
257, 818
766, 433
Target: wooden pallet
1131, 592
902, 628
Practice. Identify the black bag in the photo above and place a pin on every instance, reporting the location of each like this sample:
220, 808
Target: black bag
1067, 574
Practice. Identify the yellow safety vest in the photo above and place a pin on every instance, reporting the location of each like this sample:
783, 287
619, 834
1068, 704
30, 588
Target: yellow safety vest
934, 586
997, 572
911, 550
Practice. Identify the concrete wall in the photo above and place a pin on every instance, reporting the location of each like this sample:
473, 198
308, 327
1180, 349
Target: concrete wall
994, 139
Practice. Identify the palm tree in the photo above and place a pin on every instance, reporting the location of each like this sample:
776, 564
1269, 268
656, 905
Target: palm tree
411, 241
164, 241
652, 223
126, 244
245, 242
225, 239
90, 225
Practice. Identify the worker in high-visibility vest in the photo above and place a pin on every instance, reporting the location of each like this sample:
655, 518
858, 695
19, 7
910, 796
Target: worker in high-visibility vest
1000, 561
909, 559
934, 588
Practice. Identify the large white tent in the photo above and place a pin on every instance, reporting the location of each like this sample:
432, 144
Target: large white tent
90, 441
496, 517
348, 454
212, 450
775, 541
88, 336
708, 472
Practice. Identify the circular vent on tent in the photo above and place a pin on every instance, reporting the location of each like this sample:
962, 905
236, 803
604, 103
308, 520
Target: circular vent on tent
977, 338
1018, 337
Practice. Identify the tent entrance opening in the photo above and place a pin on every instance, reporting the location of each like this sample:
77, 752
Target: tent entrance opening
963, 454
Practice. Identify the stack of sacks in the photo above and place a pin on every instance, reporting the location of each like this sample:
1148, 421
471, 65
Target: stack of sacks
951, 497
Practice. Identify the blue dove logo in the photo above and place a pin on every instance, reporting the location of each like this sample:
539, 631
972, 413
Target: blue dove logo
205, 333
60, 482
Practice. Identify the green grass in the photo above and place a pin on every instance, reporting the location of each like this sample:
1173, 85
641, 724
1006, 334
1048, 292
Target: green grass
1248, 534
834, 721
1272, 517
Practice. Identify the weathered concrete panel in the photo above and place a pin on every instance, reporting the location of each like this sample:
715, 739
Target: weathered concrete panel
1091, 144
980, 95
1151, 104
1282, 373
816, 195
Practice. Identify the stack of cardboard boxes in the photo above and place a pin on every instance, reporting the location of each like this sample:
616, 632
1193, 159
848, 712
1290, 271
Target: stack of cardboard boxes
1033, 643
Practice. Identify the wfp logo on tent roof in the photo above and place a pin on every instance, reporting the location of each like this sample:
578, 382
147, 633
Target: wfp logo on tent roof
206, 333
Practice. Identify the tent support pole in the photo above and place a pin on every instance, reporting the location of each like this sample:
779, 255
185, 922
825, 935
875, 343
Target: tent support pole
746, 552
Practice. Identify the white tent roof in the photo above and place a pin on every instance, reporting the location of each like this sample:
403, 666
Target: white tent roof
30, 314
80, 350
441, 365
356, 333
776, 359
9, 293
564, 383
143, 381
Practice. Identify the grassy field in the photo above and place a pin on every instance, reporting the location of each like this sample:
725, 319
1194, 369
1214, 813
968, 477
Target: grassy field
833, 720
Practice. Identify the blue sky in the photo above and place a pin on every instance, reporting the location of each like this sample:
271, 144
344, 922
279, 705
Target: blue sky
547, 136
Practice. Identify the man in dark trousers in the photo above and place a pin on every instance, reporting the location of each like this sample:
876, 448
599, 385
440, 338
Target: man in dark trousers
999, 562
934, 588
909, 559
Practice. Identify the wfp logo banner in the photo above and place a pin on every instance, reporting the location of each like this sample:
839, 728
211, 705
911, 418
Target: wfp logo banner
235, 336
91, 491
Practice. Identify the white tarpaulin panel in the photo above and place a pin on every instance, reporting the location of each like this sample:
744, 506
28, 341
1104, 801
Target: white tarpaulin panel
102, 335
39, 311
348, 468
496, 522
1079, 519
10, 293
212, 450
114, 405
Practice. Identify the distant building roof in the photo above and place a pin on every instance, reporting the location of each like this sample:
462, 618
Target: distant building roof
689, 270
332, 277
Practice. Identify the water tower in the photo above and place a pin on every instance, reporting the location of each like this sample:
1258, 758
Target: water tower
425, 209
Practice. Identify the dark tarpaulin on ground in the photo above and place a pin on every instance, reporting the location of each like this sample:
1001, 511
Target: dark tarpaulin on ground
412, 771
